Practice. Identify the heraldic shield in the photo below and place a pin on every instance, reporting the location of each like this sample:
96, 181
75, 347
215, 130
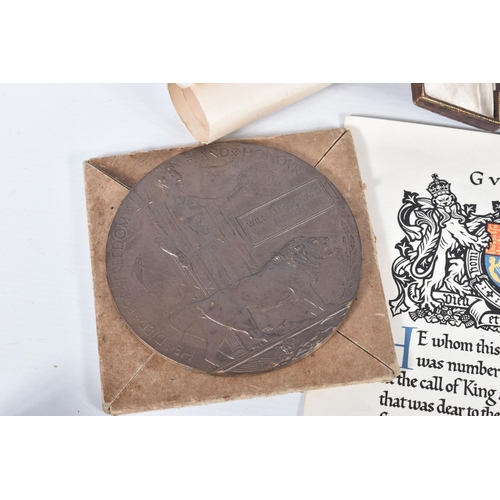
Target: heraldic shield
492, 255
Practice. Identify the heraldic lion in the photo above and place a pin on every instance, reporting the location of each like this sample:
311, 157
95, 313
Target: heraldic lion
256, 308
438, 233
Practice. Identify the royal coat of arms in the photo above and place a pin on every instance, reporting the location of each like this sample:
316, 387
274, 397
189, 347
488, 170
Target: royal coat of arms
448, 268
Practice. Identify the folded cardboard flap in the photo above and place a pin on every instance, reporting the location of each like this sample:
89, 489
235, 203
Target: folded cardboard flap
135, 378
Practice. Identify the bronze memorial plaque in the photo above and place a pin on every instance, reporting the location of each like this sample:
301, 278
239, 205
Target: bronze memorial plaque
233, 258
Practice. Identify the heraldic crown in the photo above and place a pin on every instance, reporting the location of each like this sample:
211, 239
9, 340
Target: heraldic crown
438, 186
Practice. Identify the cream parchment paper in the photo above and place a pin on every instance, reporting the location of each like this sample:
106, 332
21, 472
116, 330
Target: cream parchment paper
431, 191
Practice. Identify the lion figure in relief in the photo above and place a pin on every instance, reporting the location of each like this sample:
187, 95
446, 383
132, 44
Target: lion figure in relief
246, 314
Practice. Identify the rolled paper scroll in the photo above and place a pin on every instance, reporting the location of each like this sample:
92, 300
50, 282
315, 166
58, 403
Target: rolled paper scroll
213, 110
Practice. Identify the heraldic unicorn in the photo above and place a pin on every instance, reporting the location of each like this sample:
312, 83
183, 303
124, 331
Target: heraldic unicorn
448, 268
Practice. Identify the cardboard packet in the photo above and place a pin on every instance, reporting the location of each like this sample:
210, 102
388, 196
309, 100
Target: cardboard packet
134, 378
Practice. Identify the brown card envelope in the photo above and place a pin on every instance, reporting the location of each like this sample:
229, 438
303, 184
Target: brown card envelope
134, 378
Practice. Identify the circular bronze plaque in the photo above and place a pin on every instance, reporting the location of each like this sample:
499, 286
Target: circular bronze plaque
233, 258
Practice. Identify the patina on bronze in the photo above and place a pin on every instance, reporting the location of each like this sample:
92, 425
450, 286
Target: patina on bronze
233, 258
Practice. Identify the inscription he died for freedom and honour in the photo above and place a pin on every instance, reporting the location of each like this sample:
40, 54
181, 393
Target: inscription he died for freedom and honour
233, 258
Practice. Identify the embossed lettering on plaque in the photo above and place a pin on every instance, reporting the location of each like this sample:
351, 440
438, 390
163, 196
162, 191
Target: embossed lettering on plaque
285, 212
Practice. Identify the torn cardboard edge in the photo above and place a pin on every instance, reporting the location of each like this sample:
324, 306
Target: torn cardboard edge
134, 378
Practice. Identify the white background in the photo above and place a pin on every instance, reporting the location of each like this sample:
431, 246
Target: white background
265, 41
48, 348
